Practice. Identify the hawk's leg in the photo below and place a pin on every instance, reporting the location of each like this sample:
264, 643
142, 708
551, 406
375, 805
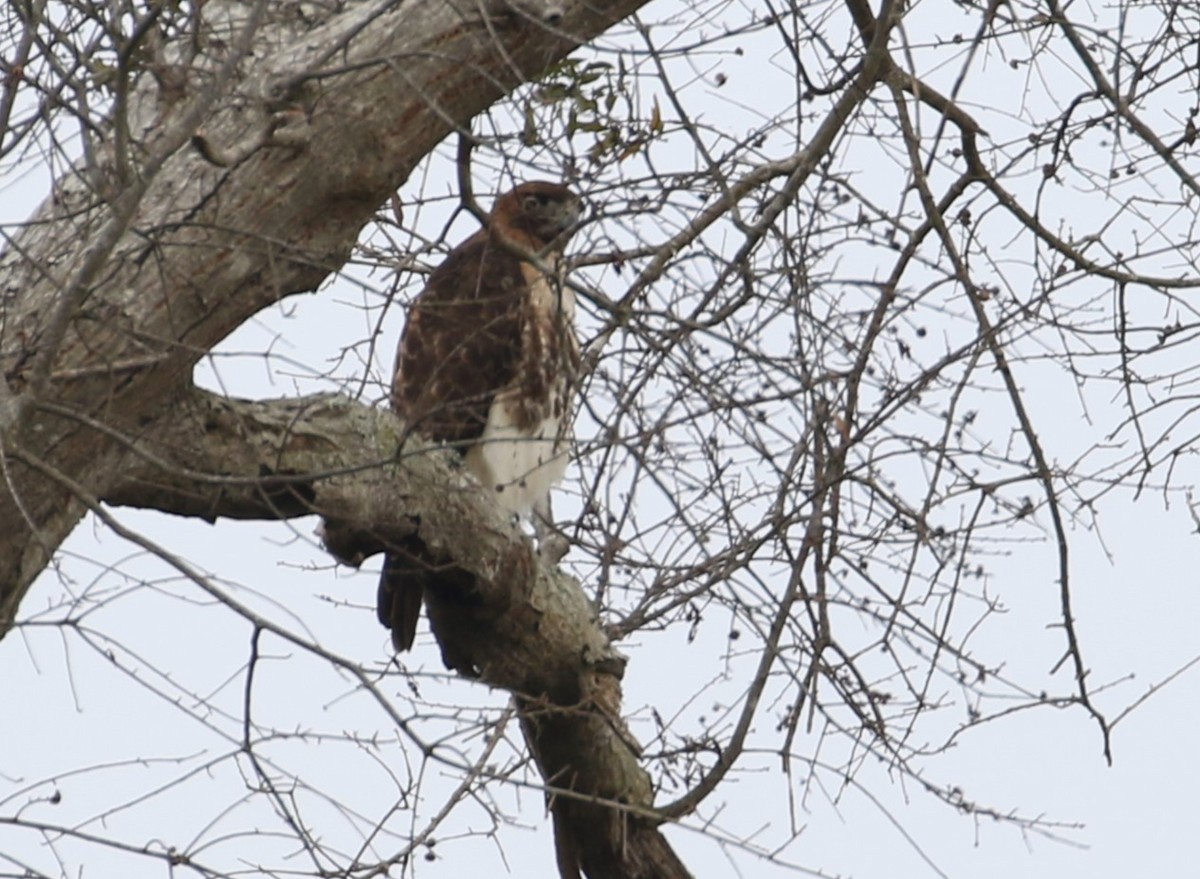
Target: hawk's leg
552, 543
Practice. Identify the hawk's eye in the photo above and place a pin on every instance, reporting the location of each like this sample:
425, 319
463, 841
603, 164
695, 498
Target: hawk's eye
534, 202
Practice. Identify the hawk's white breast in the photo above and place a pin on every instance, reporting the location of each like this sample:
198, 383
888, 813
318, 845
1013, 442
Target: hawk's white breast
521, 466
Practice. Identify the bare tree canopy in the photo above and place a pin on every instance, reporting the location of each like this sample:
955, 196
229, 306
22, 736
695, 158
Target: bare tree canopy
884, 314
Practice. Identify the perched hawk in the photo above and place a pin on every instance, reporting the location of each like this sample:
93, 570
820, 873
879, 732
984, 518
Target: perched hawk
485, 364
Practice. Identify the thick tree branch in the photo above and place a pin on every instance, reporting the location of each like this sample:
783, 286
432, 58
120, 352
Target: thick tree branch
522, 625
288, 160
311, 132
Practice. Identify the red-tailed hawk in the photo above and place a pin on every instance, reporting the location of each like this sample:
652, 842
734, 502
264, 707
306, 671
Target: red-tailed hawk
485, 364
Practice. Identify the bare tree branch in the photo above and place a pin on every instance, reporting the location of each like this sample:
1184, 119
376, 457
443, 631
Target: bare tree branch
315, 131
524, 627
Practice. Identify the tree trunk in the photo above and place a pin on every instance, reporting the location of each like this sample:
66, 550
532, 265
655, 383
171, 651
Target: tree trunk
141, 262
236, 178
528, 628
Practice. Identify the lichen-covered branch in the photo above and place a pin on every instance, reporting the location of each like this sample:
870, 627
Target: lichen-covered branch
524, 627
113, 291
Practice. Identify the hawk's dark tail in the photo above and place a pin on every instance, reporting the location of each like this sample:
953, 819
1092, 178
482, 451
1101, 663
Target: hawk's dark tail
398, 601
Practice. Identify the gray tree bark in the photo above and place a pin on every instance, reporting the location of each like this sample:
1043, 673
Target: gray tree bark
242, 171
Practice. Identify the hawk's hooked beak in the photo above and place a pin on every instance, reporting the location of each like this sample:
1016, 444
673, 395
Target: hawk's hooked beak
574, 218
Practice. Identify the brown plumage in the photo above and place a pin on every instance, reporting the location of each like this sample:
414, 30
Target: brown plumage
485, 363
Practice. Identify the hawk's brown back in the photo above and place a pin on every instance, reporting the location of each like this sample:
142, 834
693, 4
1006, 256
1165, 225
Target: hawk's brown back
461, 343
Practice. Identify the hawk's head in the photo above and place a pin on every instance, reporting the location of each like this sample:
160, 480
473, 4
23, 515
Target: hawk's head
546, 212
